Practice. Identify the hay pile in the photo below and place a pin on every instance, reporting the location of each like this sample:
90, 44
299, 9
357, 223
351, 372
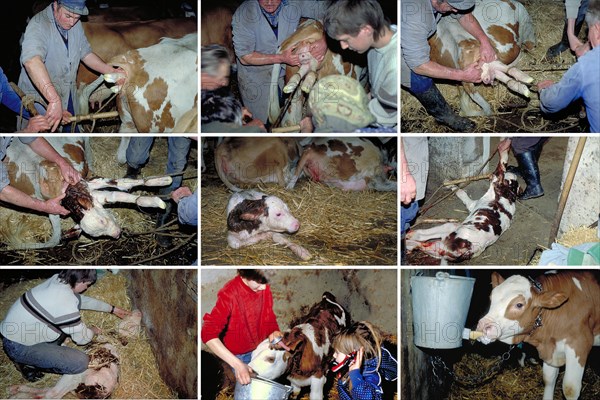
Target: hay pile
572, 237
337, 228
514, 382
139, 378
548, 19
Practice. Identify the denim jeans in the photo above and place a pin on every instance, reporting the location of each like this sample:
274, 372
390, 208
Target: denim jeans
138, 152
407, 214
50, 357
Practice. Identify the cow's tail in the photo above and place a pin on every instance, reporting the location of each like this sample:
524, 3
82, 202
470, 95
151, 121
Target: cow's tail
274, 108
526, 27
122, 150
219, 161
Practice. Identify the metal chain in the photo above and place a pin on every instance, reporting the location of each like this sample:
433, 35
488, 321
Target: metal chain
438, 364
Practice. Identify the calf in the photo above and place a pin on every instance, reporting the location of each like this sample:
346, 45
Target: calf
509, 28
250, 160
37, 177
559, 314
253, 216
489, 217
308, 33
345, 163
308, 348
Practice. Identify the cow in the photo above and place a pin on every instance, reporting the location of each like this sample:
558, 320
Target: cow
253, 217
307, 34
345, 163
252, 160
215, 27
37, 177
559, 314
510, 30
101, 377
110, 39
159, 86
308, 350
489, 217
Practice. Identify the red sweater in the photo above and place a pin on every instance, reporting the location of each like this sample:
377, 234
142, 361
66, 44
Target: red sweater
241, 318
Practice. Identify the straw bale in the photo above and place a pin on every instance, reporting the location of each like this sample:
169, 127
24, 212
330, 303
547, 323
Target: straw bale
337, 227
548, 20
139, 377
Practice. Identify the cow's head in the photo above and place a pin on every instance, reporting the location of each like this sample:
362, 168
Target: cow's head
515, 306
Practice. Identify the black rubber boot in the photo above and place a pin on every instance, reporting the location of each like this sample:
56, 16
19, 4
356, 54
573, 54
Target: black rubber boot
554, 51
31, 374
536, 150
438, 108
132, 173
531, 174
162, 218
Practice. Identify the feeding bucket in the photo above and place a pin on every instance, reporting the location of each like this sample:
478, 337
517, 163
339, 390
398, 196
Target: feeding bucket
440, 306
261, 389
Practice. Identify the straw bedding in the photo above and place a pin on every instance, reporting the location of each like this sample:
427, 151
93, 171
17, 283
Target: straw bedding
548, 19
139, 377
337, 227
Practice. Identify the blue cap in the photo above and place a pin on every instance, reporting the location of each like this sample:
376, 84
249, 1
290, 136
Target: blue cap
75, 6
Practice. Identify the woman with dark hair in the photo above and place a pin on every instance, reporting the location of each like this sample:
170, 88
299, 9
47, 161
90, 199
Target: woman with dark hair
241, 318
41, 319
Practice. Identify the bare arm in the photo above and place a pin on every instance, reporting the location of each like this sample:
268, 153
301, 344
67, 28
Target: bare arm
94, 62
242, 371
44, 149
14, 196
434, 70
408, 187
471, 25
256, 58
41, 79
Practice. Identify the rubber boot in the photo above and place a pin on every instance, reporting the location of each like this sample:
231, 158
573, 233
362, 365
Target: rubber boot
536, 150
563, 45
162, 218
132, 173
438, 108
31, 374
531, 174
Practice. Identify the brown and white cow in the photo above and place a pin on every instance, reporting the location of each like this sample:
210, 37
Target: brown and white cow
345, 163
306, 361
510, 30
39, 178
559, 314
159, 86
309, 32
110, 39
252, 160
489, 217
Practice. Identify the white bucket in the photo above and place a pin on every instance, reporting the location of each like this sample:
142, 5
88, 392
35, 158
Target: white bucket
261, 389
440, 307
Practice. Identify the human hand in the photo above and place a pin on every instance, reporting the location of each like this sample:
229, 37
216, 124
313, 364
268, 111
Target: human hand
69, 174
581, 50
545, 84
504, 145
472, 73
318, 49
306, 125
242, 373
408, 189
53, 206
180, 193
358, 359
246, 113
256, 122
574, 41
289, 58
119, 312
96, 330
54, 114
487, 53
39, 123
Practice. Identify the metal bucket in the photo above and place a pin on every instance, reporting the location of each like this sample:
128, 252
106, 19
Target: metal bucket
262, 389
440, 306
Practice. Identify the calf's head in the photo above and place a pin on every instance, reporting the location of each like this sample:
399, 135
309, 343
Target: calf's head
269, 213
268, 362
515, 306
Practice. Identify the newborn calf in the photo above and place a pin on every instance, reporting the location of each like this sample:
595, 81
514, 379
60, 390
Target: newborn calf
253, 216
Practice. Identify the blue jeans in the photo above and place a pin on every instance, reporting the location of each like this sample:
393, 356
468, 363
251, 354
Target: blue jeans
246, 358
407, 214
50, 357
138, 153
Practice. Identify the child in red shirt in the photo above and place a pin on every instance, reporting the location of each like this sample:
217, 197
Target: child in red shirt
241, 319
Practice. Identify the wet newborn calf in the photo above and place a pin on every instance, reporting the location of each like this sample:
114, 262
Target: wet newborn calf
253, 216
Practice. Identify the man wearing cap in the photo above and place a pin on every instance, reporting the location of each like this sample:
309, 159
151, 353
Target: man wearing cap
54, 43
419, 23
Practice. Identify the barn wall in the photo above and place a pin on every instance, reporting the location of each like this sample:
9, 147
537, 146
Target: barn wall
367, 294
168, 300
582, 207
456, 157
